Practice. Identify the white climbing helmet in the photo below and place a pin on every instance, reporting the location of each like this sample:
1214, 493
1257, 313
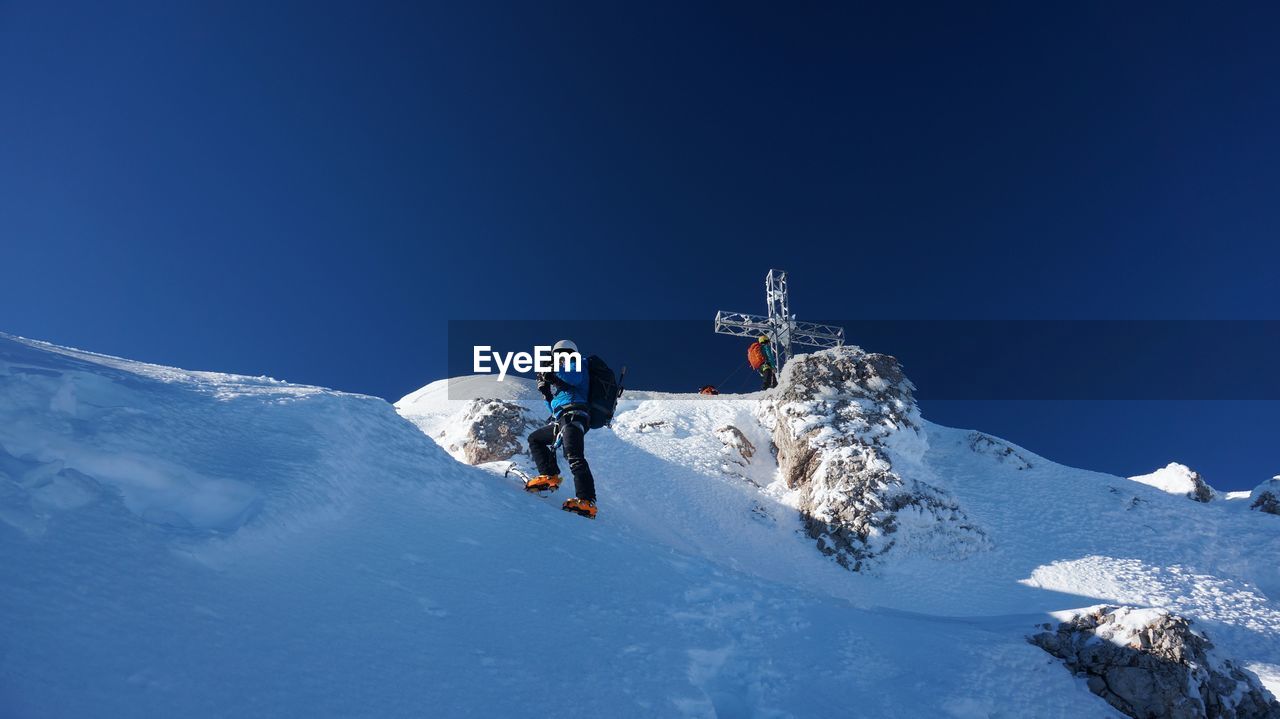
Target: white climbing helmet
565, 345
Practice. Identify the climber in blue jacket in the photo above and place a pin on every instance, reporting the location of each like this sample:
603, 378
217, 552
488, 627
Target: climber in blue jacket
566, 394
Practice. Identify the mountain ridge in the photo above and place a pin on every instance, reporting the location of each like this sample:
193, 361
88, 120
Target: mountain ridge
368, 572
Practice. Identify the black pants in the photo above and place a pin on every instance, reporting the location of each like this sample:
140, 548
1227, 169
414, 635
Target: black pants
770, 379
572, 428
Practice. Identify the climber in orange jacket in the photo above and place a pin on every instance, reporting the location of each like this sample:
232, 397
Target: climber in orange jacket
762, 359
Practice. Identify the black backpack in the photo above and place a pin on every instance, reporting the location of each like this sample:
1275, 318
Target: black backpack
603, 390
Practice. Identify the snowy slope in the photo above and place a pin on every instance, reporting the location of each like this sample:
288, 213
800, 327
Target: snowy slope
1061, 538
201, 545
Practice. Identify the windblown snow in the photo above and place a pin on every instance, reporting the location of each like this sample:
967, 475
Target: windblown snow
196, 544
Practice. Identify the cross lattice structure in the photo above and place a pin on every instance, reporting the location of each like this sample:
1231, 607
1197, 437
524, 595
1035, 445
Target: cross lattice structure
780, 326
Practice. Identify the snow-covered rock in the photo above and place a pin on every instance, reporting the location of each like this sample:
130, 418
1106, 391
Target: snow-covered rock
737, 450
835, 417
1179, 479
494, 431
1151, 664
476, 418
1266, 496
736, 444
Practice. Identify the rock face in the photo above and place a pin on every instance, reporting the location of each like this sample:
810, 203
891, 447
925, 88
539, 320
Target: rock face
492, 431
1151, 664
1266, 496
1180, 479
837, 419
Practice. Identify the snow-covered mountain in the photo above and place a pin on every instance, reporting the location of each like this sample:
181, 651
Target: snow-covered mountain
195, 544
1179, 479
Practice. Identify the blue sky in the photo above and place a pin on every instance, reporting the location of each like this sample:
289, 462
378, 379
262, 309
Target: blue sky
313, 191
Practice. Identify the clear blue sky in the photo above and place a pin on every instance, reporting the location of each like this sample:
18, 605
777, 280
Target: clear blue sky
311, 191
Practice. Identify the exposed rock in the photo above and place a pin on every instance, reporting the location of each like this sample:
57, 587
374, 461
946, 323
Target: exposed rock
1178, 479
493, 431
736, 451
834, 418
1266, 496
736, 442
1003, 452
1151, 664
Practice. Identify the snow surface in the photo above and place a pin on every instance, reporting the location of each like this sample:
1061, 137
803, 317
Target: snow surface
194, 544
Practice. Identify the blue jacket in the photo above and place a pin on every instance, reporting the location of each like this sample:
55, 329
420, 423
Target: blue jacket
571, 390
770, 356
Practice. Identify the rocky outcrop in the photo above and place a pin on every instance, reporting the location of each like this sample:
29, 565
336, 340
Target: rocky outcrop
838, 418
736, 452
1151, 664
1266, 496
736, 447
1201, 492
1180, 479
491, 431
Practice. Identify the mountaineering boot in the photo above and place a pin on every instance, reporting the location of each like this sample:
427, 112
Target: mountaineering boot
584, 507
543, 483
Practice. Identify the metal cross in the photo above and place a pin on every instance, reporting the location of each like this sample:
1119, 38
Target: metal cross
780, 326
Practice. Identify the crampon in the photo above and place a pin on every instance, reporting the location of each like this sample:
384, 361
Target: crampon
583, 507
543, 483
